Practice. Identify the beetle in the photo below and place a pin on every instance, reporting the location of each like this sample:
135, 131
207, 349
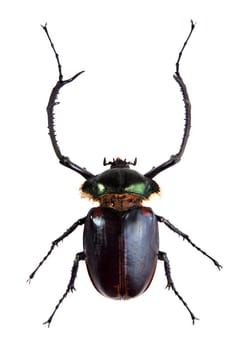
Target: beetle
121, 236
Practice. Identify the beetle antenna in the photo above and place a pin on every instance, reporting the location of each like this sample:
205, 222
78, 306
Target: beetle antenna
177, 157
134, 162
119, 163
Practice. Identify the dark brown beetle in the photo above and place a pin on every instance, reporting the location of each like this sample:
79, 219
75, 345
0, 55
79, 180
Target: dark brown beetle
121, 237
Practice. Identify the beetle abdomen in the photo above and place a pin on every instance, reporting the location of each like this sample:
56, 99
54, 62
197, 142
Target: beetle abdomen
121, 250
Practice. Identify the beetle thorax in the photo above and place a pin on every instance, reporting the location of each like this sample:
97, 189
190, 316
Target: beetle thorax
119, 187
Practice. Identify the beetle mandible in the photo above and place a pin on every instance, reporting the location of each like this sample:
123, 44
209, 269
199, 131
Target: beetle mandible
121, 238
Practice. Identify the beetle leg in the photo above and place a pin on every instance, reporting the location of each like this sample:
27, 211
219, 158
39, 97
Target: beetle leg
174, 159
70, 287
186, 237
50, 111
170, 284
55, 243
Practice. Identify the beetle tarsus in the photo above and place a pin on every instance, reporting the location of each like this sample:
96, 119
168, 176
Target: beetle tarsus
70, 287
174, 159
170, 285
185, 43
55, 243
54, 50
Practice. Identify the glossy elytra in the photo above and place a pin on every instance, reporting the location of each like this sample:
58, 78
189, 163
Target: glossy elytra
121, 236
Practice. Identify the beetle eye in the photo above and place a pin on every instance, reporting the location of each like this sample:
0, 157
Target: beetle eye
138, 188
100, 188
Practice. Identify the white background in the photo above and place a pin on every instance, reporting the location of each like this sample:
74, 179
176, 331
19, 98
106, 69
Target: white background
126, 104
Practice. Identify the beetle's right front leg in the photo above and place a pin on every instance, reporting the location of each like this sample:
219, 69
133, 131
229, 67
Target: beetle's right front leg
55, 243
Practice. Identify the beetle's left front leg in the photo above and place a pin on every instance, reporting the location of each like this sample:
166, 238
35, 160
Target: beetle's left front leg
186, 237
50, 111
170, 284
70, 286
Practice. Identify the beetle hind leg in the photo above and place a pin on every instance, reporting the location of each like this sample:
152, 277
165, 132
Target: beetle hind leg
170, 284
70, 286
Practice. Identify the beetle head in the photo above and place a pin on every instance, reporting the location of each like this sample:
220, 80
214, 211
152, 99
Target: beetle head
119, 180
119, 163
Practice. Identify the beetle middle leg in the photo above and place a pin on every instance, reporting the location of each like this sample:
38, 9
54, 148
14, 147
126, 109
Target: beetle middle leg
170, 284
55, 243
186, 237
70, 286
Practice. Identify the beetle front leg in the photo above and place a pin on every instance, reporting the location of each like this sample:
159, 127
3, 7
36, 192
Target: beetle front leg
70, 287
174, 159
186, 237
170, 284
55, 243
50, 111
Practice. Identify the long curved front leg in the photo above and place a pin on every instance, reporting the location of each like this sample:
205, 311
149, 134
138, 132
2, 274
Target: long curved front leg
50, 111
177, 157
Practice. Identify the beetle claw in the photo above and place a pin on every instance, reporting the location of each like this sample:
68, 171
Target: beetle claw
194, 318
168, 286
217, 264
48, 322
